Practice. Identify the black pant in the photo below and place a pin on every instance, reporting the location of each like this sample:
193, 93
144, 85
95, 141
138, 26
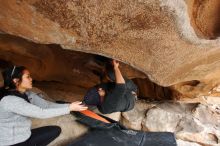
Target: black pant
41, 136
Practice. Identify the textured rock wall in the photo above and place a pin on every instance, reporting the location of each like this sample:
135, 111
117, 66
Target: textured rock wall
52, 63
172, 43
193, 124
204, 17
158, 37
48, 62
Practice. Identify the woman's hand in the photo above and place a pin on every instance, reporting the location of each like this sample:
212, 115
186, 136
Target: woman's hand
77, 106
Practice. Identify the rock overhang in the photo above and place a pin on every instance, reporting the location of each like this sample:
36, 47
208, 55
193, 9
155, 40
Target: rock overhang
158, 38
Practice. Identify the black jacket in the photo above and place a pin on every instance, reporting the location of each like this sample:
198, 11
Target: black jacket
118, 97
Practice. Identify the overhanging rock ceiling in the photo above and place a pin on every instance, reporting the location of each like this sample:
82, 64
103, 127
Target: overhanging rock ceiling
171, 41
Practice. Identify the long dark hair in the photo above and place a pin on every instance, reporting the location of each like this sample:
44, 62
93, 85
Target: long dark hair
15, 72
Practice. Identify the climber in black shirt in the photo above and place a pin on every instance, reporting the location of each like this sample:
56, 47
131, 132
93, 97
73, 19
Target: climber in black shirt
115, 96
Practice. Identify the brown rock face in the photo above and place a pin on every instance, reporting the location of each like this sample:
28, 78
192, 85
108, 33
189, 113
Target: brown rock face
48, 62
205, 17
169, 48
155, 37
189, 122
52, 63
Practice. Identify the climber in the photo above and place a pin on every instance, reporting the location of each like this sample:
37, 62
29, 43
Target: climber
118, 94
18, 105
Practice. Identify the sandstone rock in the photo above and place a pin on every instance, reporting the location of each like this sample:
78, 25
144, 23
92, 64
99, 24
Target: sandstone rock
54, 63
199, 12
144, 38
160, 120
147, 35
212, 100
208, 114
189, 125
153, 91
133, 119
186, 143
191, 122
48, 62
178, 108
202, 138
166, 42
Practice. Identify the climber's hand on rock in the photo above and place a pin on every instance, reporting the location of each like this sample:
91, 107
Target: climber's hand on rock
115, 63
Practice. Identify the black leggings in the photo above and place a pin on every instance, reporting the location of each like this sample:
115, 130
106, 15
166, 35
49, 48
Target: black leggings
41, 136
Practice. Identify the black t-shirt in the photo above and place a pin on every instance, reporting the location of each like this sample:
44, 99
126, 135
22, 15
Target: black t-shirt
118, 97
